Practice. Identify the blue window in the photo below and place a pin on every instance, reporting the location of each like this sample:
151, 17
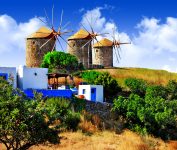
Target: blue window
4, 76
83, 91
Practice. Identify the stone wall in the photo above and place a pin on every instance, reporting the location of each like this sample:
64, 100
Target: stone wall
34, 55
109, 119
103, 56
84, 54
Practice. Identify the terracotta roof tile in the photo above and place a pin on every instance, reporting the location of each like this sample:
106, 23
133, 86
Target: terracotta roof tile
43, 32
81, 34
103, 43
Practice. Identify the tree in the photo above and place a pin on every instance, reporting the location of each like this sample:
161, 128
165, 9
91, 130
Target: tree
60, 61
22, 123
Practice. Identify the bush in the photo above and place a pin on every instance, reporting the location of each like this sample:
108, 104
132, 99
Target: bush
111, 87
172, 90
72, 121
152, 115
61, 109
90, 76
136, 86
57, 109
78, 104
22, 121
156, 91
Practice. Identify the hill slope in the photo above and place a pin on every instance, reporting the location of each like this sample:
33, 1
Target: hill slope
151, 76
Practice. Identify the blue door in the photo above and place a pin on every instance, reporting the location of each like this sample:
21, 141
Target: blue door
93, 94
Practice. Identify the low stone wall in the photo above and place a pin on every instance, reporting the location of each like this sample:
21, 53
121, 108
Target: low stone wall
109, 119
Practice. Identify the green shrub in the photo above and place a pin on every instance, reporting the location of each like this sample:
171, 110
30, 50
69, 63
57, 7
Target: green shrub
78, 104
61, 109
57, 109
152, 115
156, 91
90, 76
136, 86
72, 121
172, 90
110, 85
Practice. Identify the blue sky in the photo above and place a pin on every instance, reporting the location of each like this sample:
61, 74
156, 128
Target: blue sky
150, 25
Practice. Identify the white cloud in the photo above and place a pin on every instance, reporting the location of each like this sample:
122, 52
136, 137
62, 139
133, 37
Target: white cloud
169, 68
155, 45
12, 39
13, 34
93, 18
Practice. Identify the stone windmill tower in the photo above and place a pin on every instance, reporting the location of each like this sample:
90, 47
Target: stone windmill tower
44, 41
103, 52
79, 45
35, 50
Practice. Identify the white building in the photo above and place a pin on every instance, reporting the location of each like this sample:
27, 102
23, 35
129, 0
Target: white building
32, 78
91, 92
9, 74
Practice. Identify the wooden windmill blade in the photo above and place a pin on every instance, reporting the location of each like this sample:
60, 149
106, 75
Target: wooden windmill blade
52, 17
60, 44
47, 42
61, 19
93, 35
48, 20
86, 43
56, 34
115, 48
66, 25
117, 58
117, 44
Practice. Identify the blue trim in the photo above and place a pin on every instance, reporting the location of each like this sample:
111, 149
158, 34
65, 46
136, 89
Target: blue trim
4, 75
50, 93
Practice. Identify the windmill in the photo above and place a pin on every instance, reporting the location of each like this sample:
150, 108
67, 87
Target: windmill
92, 36
44, 40
116, 45
104, 50
57, 34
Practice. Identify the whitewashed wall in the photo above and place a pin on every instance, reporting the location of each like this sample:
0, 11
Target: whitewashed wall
87, 95
32, 78
12, 74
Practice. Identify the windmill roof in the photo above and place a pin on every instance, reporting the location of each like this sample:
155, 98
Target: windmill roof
81, 34
42, 32
103, 43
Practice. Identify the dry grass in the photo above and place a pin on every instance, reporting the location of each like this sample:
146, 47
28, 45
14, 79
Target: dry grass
151, 76
108, 141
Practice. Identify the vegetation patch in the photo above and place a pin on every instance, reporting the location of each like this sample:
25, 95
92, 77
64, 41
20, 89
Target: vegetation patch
152, 113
